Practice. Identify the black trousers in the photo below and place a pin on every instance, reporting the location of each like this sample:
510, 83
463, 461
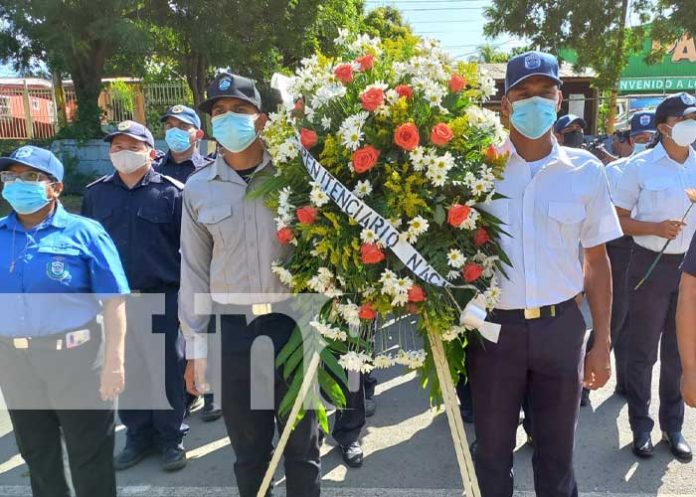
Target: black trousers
351, 420
251, 431
620, 256
651, 322
542, 359
44, 378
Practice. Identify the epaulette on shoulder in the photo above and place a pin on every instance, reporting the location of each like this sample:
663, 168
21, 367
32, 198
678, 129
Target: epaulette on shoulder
204, 167
100, 180
173, 181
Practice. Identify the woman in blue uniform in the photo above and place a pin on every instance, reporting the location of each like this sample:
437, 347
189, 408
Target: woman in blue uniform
59, 272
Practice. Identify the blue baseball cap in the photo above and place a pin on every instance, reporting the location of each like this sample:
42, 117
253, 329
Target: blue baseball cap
530, 64
568, 120
184, 114
228, 85
643, 122
38, 158
677, 105
134, 130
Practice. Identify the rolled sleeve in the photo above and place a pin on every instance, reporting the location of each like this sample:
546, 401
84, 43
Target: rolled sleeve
689, 264
601, 224
628, 188
196, 254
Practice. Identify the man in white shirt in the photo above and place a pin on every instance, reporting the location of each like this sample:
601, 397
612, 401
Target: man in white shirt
651, 201
555, 199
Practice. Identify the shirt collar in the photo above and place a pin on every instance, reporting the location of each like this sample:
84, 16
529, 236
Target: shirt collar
151, 176
196, 159
220, 169
659, 152
58, 219
557, 152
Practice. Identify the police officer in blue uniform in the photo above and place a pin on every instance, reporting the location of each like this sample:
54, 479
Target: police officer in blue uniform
141, 210
58, 272
183, 134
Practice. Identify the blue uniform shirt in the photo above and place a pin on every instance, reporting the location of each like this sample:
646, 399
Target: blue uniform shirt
145, 224
182, 170
54, 274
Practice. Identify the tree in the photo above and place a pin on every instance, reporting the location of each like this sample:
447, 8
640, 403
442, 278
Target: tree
673, 20
487, 53
76, 38
595, 29
386, 23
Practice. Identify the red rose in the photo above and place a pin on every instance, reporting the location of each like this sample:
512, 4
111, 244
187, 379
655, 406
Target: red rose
344, 73
404, 91
457, 214
299, 105
407, 137
370, 253
285, 236
365, 159
457, 83
416, 294
366, 62
472, 272
308, 138
306, 214
441, 135
372, 99
481, 237
491, 153
367, 312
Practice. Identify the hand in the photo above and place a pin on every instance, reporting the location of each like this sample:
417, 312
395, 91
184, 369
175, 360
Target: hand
597, 367
669, 229
113, 380
688, 388
194, 375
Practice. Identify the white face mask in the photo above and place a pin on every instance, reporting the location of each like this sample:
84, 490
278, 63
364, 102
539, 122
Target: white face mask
127, 161
684, 133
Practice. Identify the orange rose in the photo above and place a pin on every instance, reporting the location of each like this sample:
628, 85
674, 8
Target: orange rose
365, 159
372, 99
366, 62
370, 253
344, 73
481, 237
441, 135
367, 311
457, 83
416, 294
407, 137
299, 105
308, 138
491, 154
404, 91
457, 214
472, 272
285, 236
306, 214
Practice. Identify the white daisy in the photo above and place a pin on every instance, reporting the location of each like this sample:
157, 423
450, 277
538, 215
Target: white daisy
326, 123
456, 259
368, 236
362, 189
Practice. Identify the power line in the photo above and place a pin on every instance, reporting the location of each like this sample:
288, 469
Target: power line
429, 2
446, 21
448, 9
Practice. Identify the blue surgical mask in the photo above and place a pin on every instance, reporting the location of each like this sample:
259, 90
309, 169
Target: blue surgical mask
639, 147
235, 132
25, 197
178, 140
534, 116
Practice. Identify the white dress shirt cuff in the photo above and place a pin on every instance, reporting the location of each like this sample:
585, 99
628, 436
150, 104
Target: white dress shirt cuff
196, 345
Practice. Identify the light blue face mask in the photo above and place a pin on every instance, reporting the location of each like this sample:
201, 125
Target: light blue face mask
25, 197
639, 147
235, 132
178, 140
534, 116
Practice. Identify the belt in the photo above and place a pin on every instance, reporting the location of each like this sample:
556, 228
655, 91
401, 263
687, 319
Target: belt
59, 341
546, 311
673, 258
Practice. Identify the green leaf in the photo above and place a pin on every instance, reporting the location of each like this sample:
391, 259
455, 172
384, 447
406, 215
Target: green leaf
332, 389
290, 347
289, 399
439, 216
293, 362
331, 362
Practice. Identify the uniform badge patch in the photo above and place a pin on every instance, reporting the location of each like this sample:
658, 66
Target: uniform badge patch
122, 126
532, 61
23, 153
644, 120
56, 269
178, 109
687, 99
224, 84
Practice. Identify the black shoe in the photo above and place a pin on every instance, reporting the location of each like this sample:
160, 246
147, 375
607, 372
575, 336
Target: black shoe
193, 404
130, 457
352, 454
173, 458
678, 445
467, 416
370, 408
642, 445
585, 398
210, 412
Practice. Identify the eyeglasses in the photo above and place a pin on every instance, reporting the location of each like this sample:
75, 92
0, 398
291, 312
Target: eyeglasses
28, 176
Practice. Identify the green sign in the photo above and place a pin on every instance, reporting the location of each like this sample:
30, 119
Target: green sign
657, 85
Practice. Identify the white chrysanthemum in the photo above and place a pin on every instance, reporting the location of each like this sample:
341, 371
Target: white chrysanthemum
437, 178
388, 278
362, 189
456, 259
492, 295
443, 163
416, 227
328, 331
286, 151
323, 283
399, 300
351, 137
391, 96
356, 361
325, 94
403, 285
417, 157
453, 275
470, 222
350, 312
486, 84
434, 95
412, 359
317, 196
396, 222
283, 274
326, 123
383, 361
368, 236
453, 333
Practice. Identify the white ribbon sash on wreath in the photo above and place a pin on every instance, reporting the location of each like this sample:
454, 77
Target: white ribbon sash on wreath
475, 312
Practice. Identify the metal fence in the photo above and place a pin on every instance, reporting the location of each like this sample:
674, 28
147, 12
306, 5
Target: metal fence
29, 112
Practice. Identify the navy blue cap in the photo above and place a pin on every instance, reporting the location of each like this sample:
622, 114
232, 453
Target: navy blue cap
677, 105
531, 64
228, 85
642, 122
134, 130
568, 120
184, 114
37, 158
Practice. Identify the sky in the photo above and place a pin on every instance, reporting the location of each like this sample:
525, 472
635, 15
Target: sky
458, 24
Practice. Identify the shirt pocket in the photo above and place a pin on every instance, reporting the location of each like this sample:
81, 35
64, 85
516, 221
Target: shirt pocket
660, 196
564, 224
219, 221
156, 216
62, 266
